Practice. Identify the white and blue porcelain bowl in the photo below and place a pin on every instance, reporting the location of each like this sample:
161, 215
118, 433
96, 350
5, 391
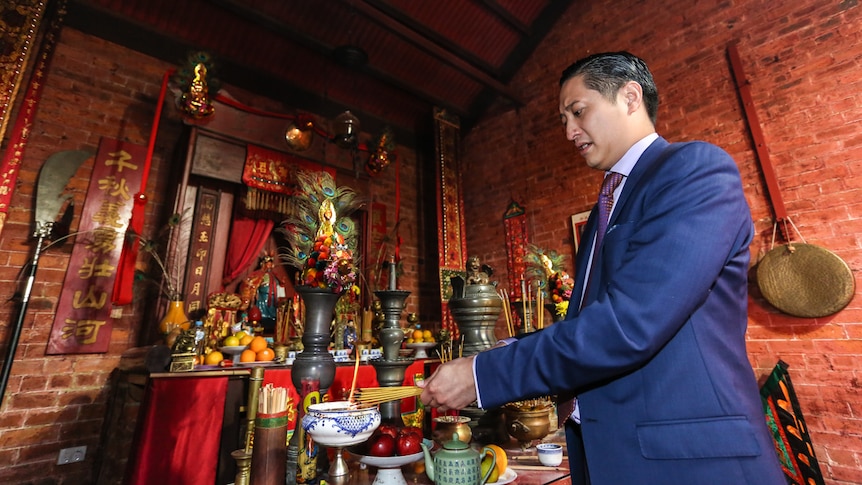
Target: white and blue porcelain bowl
337, 423
550, 454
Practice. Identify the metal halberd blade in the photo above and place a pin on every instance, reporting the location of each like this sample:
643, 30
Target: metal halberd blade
53, 178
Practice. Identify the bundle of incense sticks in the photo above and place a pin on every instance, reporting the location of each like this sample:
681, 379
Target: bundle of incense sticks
377, 395
355, 375
540, 308
272, 400
507, 312
444, 353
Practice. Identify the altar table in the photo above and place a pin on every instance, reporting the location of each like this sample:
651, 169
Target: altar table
524, 463
190, 422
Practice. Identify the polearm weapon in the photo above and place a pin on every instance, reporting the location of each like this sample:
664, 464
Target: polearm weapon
53, 178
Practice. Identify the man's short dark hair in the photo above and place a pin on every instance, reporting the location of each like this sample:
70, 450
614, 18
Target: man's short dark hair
607, 72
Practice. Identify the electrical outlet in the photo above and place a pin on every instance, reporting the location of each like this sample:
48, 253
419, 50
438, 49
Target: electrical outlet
72, 455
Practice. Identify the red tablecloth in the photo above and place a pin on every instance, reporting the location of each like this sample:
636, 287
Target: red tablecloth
181, 418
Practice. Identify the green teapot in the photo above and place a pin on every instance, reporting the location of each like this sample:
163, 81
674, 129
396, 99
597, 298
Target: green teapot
457, 463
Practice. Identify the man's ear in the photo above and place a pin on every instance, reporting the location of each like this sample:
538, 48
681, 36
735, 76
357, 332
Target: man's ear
632, 92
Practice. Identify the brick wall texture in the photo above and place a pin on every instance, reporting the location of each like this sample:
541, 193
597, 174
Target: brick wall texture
801, 58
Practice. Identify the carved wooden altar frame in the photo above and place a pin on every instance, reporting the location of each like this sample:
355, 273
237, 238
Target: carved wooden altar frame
211, 181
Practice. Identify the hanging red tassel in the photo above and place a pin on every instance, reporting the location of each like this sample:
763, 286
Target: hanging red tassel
124, 282
122, 294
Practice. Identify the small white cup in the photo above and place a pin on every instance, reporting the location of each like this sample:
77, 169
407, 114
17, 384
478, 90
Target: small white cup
550, 454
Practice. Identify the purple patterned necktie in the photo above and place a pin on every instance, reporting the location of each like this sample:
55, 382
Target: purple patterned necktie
605, 204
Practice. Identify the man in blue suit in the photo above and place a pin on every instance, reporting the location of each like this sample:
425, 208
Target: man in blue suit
655, 351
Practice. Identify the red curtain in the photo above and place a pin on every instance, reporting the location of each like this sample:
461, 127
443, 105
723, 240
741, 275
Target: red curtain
180, 423
248, 237
180, 442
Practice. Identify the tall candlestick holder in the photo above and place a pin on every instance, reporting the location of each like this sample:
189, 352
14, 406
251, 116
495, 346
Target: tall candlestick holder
391, 367
243, 466
314, 363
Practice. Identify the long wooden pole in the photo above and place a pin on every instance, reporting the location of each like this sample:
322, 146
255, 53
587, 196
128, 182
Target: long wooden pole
743, 86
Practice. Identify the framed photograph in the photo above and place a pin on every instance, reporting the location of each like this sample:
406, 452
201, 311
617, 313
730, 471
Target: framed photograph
579, 220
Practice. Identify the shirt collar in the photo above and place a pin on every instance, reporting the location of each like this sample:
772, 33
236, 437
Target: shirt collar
627, 163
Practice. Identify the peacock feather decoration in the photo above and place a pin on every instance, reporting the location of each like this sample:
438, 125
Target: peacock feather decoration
321, 234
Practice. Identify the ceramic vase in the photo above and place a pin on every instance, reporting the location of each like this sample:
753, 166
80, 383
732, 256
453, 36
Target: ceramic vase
175, 317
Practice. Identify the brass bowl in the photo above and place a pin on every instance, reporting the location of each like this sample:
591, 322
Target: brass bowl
526, 425
446, 426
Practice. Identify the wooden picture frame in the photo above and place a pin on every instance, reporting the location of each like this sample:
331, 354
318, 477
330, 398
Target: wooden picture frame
579, 220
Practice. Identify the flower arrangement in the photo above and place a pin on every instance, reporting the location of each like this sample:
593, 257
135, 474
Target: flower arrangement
546, 268
321, 234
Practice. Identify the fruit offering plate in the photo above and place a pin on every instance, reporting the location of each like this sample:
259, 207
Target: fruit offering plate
508, 476
234, 351
421, 348
389, 467
390, 461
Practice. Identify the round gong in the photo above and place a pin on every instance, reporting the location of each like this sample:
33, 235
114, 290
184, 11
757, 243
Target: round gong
805, 280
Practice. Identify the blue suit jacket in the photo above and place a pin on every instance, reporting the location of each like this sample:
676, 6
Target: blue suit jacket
657, 354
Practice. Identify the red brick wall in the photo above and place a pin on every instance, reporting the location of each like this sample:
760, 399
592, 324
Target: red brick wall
96, 89
54, 402
799, 56
802, 61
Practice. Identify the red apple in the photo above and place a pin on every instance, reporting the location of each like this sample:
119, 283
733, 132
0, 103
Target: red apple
413, 430
381, 445
408, 443
389, 429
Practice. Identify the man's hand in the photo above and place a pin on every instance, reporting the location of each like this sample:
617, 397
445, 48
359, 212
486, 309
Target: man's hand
452, 385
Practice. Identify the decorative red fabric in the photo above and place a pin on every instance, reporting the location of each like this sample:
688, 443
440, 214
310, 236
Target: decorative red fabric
179, 440
515, 222
274, 171
180, 423
248, 238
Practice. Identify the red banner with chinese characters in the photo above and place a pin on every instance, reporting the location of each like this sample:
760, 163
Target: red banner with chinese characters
82, 323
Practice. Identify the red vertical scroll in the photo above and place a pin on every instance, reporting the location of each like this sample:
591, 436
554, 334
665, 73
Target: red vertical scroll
82, 323
200, 250
515, 221
450, 209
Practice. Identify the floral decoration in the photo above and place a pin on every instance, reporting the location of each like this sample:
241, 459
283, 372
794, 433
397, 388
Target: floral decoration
545, 267
321, 234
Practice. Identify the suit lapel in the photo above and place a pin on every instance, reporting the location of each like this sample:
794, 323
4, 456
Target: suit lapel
586, 245
649, 156
643, 165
